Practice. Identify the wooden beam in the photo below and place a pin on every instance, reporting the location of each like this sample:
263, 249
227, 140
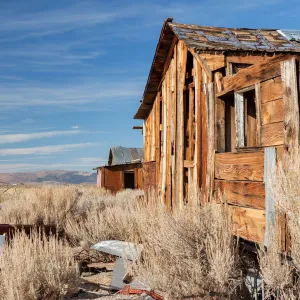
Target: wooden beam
137, 127
203, 64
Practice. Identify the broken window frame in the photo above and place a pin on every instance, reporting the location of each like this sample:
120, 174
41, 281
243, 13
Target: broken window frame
240, 117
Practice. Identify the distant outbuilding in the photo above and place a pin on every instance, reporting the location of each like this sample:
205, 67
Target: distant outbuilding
123, 171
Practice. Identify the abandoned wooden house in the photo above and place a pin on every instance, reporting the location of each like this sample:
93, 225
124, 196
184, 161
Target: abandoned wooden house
220, 108
123, 171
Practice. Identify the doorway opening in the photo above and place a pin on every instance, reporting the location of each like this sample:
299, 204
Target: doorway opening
129, 180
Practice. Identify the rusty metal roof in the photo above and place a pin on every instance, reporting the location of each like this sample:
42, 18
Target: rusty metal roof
204, 38
121, 155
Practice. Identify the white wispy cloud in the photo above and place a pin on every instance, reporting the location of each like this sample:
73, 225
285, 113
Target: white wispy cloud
45, 149
91, 160
75, 127
33, 94
23, 137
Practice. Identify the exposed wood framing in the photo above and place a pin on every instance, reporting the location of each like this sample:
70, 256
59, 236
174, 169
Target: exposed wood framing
254, 74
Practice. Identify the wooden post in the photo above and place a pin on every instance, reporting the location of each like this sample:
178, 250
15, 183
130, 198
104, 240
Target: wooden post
270, 203
290, 102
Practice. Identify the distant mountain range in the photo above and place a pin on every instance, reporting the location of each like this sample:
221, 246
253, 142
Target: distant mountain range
54, 177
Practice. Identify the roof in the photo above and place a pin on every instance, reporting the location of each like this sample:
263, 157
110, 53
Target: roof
204, 38
121, 155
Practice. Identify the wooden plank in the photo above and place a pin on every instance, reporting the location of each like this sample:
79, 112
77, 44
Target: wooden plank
181, 67
163, 173
272, 111
214, 61
168, 139
269, 169
203, 64
209, 92
239, 120
272, 134
248, 223
218, 79
173, 126
198, 154
188, 164
290, 102
157, 140
252, 75
242, 193
271, 89
258, 113
220, 125
239, 166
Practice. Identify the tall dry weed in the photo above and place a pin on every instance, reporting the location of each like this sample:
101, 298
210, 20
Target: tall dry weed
281, 275
38, 267
188, 253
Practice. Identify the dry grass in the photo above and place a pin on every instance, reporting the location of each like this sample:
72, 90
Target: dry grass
188, 253
37, 268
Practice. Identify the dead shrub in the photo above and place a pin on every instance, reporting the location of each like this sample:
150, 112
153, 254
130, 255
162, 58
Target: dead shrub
38, 267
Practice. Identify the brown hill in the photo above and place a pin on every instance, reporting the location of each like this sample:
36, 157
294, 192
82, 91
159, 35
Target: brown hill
55, 176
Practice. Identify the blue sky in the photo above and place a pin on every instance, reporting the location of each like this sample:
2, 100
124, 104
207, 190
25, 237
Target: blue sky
72, 72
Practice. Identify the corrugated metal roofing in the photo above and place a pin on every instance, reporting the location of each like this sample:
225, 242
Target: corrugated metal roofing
121, 155
204, 38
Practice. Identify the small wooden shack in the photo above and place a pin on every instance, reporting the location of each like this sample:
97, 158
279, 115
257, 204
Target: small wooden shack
220, 108
123, 171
